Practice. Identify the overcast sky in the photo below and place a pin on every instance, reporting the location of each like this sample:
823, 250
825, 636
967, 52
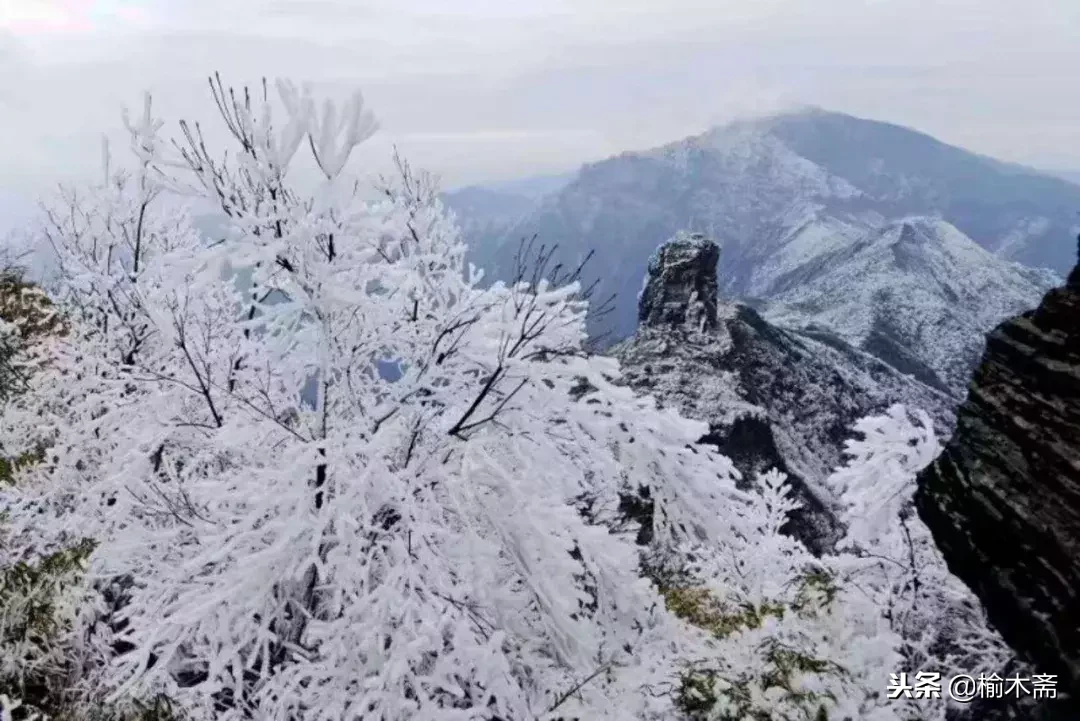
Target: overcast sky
481, 90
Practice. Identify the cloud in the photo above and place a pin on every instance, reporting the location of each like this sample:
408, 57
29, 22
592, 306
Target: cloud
485, 89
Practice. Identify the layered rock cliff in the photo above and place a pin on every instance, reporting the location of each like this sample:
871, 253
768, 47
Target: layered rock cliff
773, 398
1003, 499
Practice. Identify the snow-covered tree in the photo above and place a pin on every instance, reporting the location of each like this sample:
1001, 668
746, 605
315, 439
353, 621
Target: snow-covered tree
799, 637
786, 638
26, 315
34, 596
357, 485
890, 554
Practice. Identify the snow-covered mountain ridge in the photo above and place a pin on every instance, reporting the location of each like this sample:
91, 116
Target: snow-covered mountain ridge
773, 397
916, 286
802, 199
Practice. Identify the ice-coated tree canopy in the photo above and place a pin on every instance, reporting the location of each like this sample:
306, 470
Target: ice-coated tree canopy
405, 547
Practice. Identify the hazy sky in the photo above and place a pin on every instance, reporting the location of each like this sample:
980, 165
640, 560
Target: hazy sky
487, 89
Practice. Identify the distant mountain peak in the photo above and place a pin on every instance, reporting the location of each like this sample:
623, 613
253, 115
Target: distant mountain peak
810, 115
825, 215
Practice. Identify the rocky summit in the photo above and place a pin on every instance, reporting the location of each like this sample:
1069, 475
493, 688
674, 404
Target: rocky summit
681, 286
1003, 499
773, 397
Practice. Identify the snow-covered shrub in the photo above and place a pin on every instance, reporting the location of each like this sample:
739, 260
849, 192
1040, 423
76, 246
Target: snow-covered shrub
26, 315
37, 608
36, 590
889, 552
786, 638
287, 530
797, 637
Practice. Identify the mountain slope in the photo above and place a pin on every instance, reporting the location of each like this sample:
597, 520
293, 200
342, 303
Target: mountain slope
783, 195
1017, 212
772, 397
917, 287
489, 210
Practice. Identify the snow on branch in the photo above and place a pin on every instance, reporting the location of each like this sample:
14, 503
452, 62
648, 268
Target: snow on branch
353, 484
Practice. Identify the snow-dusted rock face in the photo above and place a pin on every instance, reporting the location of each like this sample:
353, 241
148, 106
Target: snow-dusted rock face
917, 293
680, 287
1003, 499
792, 195
772, 397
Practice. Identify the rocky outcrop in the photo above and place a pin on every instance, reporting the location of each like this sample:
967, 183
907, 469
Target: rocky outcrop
1003, 499
773, 398
680, 285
